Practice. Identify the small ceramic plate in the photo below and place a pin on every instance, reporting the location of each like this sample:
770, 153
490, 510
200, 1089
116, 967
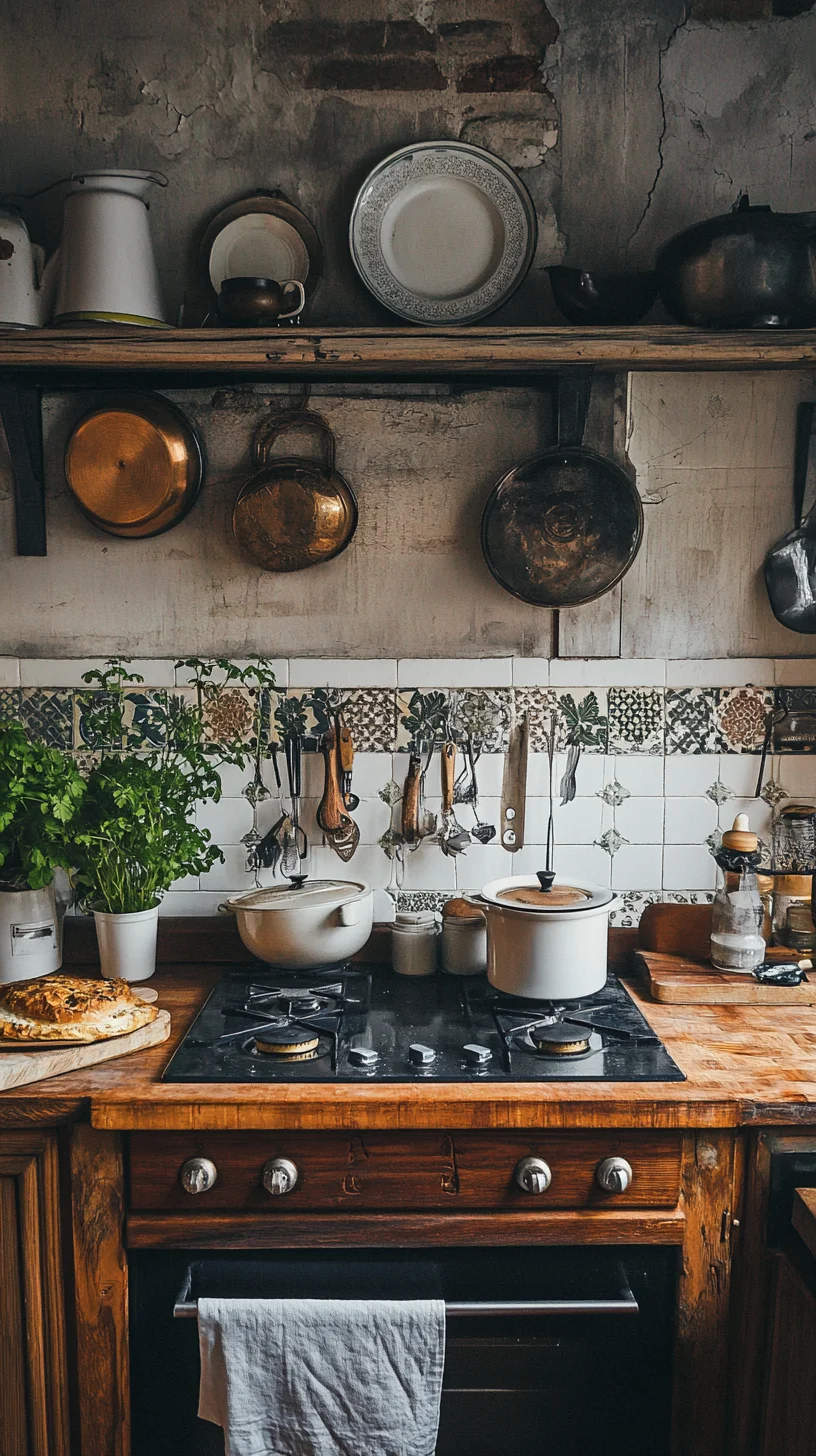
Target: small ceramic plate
262, 237
442, 232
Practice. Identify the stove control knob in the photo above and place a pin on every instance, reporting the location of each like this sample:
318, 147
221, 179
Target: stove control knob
279, 1176
421, 1056
476, 1055
533, 1175
198, 1175
363, 1056
614, 1175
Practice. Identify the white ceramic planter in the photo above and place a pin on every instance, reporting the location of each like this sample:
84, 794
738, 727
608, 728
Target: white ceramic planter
30, 938
542, 954
127, 944
321, 923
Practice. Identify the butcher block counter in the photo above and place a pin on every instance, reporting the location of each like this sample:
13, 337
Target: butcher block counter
90, 1176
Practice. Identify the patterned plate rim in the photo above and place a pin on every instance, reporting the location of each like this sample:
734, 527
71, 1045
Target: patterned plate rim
508, 193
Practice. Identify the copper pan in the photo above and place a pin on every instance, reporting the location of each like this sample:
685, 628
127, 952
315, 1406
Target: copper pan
134, 465
293, 512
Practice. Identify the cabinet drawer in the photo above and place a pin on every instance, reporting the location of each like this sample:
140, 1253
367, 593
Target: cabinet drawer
391, 1171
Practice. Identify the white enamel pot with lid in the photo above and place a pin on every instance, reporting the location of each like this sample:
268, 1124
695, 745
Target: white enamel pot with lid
299, 927
546, 944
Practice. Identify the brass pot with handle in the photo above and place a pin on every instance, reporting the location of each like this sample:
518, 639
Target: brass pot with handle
293, 512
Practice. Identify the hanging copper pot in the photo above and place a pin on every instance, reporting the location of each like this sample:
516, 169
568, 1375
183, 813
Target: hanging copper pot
293, 513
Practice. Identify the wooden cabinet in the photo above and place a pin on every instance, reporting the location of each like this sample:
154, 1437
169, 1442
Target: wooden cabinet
33, 1371
789, 1417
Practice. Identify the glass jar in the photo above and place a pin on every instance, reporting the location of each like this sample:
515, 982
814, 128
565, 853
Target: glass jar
736, 923
789, 890
794, 840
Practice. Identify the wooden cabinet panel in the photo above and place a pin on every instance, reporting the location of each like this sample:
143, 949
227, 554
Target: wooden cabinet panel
414, 1171
789, 1424
33, 1375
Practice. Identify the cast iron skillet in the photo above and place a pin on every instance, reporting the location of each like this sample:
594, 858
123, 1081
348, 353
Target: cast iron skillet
562, 528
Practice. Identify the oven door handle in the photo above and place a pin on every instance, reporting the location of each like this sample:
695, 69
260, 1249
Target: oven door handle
187, 1308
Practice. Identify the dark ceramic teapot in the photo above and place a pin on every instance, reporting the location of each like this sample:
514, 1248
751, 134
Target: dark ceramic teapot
751, 268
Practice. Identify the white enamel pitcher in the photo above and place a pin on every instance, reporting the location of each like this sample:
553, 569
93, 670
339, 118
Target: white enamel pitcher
24, 304
106, 271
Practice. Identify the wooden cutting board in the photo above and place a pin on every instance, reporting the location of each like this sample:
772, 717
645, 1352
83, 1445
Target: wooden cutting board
685, 982
17, 1068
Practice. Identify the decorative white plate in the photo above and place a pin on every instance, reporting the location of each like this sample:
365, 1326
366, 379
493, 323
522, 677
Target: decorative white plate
442, 232
258, 246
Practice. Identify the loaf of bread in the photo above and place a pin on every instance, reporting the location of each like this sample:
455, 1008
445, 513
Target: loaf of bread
70, 1008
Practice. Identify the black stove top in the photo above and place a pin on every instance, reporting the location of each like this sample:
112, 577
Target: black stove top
366, 1024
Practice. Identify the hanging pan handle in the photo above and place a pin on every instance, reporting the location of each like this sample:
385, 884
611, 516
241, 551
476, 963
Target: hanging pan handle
278, 424
804, 428
574, 393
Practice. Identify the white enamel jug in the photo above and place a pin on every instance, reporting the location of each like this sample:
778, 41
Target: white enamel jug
106, 268
23, 303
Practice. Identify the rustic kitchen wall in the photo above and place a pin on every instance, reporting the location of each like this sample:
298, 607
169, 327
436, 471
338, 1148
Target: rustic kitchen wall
626, 119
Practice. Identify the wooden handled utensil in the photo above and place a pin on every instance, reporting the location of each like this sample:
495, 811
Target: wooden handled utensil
331, 812
514, 786
410, 802
345, 749
453, 838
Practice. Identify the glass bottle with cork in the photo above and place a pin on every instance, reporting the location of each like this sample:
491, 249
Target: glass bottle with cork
737, 943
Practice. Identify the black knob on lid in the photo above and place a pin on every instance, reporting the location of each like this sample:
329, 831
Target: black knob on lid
545, 879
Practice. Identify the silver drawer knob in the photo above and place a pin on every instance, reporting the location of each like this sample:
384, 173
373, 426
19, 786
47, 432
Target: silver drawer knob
533, 1175
198, 1175
279, 1176
614, 1175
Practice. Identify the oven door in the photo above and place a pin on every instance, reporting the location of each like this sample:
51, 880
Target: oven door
557, 1351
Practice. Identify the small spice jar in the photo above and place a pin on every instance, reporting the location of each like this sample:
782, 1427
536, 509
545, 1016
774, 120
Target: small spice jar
414, 937
464, 939
789, 891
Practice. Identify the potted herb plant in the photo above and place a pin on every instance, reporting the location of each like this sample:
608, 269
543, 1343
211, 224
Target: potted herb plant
136, 833
40, 793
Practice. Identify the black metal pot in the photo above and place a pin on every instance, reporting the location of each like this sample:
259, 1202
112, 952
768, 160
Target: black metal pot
751, 268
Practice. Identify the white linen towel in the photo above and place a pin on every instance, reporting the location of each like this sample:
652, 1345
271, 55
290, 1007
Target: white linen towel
322, 1377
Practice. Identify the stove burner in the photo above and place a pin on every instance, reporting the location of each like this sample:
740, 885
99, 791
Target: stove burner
289, 1042
559, 1038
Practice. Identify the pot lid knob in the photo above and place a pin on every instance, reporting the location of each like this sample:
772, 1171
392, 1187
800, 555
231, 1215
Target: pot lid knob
546, 879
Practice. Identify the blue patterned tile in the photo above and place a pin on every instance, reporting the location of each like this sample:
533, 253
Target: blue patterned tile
48, 715
85, 735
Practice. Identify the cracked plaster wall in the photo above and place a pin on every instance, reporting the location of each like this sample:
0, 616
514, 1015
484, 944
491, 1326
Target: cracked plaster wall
626, 119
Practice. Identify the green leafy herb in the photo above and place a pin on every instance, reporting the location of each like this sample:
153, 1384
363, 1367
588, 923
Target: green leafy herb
40, 793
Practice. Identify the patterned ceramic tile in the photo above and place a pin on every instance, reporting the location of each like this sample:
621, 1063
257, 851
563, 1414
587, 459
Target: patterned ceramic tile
143, 722
10, 704
230, 715
688, 897
370, 714
413, 900
773, 793
691, 725
430, 717
636, 720
611, 841
719, 792
582, 719
632, 905
538, 704
742, 717
48, 714
614, 793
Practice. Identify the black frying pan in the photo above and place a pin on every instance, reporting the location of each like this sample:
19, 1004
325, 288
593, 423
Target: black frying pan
562, 528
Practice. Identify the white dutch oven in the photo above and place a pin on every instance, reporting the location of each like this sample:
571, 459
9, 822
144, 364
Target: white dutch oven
30, 939
318, 923
546, 945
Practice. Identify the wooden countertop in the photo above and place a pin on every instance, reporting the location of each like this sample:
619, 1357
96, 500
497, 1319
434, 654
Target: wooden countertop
742, 1064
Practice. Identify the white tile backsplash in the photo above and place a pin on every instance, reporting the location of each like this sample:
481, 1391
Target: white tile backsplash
231, 876
47, 672
640, 773
371, 773
340, 672
739, 772
640, 820
9, 672
278, 665
191, 902
638, 865
689, 821
690, 773
797, 771
611, 672
795, 671
227, 820
531, 672
460, 672
729, 672
688, 867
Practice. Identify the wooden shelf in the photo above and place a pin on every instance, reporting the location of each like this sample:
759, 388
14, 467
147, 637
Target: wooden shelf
71, 355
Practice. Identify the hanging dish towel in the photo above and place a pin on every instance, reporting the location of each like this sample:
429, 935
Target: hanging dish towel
322, 1377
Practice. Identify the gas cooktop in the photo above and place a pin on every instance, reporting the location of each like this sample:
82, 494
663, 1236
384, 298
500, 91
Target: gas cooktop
366, 1024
